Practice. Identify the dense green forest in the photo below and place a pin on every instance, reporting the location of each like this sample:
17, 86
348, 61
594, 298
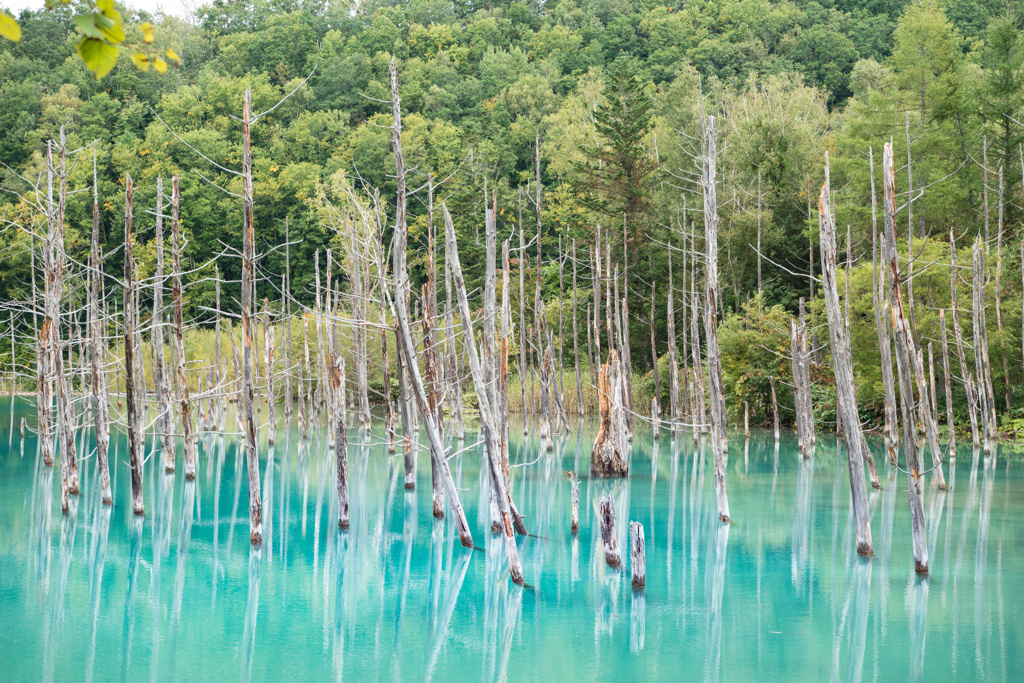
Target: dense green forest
610, 90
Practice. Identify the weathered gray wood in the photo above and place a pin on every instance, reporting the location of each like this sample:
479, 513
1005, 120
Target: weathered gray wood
101, 419
637, 559
982, 365
673, 360
268, 364
431, 376
489, 419
699, 393
905, 356
842, 365
608, 536
132, 427
340, 440
610, 454
718, 433
179, 335
406, 346
287, 299
775, 407
882, 326
248, 399
157, 339
948, 389
965, 370
576, 336
999, 295
574, 482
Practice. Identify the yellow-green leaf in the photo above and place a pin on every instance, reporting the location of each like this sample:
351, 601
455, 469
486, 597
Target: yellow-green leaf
87, 24
99, 56
142, 62
104, 5
160, 65
9, 28
173, 56
147, 32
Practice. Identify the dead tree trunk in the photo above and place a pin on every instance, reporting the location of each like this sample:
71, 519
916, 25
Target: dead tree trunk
287, 296
882, 327
134, 437
608, 535
842, 365
965, 370
179, 336
698, 373
489, 419
673, 361
268, 363
406, 346
948, 389
157, 339
637, 561
775, 408
609, 457
101, 419
248, 409
576, 338
718, 435
999, 294
340, 439
982, 365
574, 481
905, 356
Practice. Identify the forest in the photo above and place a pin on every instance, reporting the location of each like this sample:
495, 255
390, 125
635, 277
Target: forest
583, 125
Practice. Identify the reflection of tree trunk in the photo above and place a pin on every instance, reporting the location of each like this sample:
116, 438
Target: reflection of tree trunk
716, 588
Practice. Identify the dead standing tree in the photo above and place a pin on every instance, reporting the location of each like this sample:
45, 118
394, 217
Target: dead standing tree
842, 365
906, 357
718, 435
134, 436
179, 334
406, 346
101, 419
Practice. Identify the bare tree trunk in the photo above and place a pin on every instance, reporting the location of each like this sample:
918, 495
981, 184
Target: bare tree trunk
574, 481
718, 435
905, 356
775, 408
608, 535
268, 363
698, 373
576, 336
982, 365
248, 409
842, 365
882, 327
157, 338
287, 296
522, 314
637, 561
406, 346
655, 407
609, 456
221, 411
179, 336
134, 437
489, 419
999, 295
340, 439
965, 370
948, 389
673, 361
101, 419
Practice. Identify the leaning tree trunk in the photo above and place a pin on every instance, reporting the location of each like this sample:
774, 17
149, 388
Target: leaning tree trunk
842, 365
905, 356
406, 345
718, 436
489, 418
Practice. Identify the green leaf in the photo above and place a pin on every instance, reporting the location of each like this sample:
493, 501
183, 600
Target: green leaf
99, 56
9, 28
87, 24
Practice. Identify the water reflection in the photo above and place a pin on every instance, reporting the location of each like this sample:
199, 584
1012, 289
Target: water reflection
179, 594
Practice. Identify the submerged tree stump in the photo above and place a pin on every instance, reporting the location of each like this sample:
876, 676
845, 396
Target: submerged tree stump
608, 535
608, 457
637, 562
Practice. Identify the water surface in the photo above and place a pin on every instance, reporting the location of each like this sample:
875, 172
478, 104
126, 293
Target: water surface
778, 595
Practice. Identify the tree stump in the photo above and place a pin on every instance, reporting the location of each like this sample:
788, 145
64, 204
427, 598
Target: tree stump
608, 457
637, 561
611, 540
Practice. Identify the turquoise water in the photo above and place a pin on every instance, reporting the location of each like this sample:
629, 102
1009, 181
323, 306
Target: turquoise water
778, 595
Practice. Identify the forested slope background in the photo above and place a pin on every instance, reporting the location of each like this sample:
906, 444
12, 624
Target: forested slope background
610, 92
